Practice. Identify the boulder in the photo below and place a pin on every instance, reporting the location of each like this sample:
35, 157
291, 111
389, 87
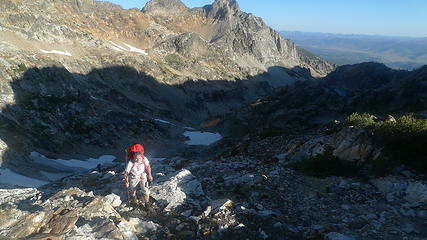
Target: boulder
143, 227
176, 188
113, 199
303, 149
220, 204
353, 144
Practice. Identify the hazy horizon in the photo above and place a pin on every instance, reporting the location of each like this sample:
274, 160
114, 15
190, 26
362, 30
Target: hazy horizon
352, 34
393, 18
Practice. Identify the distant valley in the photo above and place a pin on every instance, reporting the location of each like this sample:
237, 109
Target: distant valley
396, 52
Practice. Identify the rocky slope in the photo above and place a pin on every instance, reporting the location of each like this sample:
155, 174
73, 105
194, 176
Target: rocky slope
219, 197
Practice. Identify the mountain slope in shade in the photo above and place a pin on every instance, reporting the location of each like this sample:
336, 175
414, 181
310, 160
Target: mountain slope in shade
72, 72
306, 106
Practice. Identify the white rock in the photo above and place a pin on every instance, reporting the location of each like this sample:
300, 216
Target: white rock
113, 199
223, 228
220, 204
177, 187
141, 226
128, 230
207, 211
241, 225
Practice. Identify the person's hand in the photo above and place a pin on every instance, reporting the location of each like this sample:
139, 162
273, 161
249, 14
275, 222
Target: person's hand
150, 178
126, 183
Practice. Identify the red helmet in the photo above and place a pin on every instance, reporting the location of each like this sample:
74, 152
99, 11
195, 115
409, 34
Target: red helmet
136, 148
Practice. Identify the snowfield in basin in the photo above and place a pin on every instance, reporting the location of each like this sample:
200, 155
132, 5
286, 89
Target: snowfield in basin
64, 168
201, 138
15, 179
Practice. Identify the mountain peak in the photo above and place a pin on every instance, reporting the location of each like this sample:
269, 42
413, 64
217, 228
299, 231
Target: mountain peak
164, 7
223, 8
232, 4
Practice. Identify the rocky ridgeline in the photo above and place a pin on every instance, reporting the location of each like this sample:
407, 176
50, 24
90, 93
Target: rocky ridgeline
219, 198
215, 42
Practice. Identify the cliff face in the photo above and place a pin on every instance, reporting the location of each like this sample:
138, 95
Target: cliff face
244, 38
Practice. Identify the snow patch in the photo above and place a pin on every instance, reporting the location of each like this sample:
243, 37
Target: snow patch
129, 48
162, 121
201, 138
115, 45
137, 50
87, 164
72, 165
14, 179
66, 53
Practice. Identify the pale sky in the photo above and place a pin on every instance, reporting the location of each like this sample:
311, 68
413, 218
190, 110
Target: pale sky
373, 17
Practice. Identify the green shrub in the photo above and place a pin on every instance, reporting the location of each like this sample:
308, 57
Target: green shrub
21, 68
361, 120
404, 141
325, 165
